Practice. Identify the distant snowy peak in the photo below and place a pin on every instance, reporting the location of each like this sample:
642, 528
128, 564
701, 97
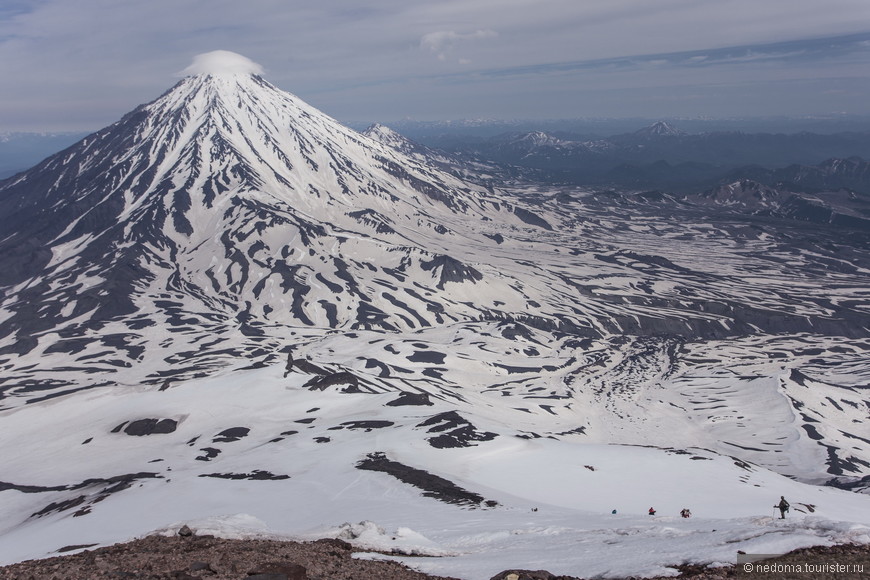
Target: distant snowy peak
660, 129
386, 136
538, 139
465, 166
746, 193
836, 207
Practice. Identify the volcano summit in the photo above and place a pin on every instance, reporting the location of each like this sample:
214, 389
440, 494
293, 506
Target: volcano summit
229, 303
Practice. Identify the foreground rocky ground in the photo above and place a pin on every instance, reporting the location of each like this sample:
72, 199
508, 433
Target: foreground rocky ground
187, 558
184, 558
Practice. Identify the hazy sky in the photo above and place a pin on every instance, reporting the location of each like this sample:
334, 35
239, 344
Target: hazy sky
81, 64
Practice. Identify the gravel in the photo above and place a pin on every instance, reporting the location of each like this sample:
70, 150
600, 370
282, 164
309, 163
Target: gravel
194, 557
183, 558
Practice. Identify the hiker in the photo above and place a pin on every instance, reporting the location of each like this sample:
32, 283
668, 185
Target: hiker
652, 511
289, 366
685, 513
783, 507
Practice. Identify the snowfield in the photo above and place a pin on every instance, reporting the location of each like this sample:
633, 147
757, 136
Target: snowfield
547, 505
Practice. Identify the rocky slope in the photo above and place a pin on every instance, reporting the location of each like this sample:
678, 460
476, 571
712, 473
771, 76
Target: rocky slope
165, 558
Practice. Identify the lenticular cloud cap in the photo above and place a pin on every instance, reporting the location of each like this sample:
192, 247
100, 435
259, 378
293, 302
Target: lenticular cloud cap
222, 62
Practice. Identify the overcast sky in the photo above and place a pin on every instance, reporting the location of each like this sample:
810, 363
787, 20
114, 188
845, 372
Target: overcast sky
81, 64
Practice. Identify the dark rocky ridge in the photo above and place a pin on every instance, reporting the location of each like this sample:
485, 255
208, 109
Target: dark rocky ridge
141, 427
455, 431
432, 485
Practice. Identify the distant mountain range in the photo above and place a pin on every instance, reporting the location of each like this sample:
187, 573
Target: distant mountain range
662, 156
20, 151
838, 208
852, 173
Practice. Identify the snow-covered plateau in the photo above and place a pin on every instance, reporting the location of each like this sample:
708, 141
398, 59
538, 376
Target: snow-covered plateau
230, 312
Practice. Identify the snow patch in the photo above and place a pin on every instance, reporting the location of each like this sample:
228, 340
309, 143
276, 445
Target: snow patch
230, 527
404, 541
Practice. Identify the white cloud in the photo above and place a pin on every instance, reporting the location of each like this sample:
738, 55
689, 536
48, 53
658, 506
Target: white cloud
222, 62
435, 41
442, 42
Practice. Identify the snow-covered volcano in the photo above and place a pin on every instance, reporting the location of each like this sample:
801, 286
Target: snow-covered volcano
155, 276
223, 207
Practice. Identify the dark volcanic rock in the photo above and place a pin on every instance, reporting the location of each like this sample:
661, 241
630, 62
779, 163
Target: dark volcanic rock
340, 378
367, 425
210, 453
432, 485
308, 367
451, 270
231, 434
94, 491
532, 218
411, 399
278, 570
425, 356
455, 430
143, 427
514, 330
256, 475
527, 575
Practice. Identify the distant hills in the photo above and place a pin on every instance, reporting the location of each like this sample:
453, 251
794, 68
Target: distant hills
664, 156
20, 151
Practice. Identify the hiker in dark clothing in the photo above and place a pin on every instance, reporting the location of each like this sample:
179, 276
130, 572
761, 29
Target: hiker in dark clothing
783, 507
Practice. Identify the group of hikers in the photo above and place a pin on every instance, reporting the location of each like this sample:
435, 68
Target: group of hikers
685, 512
782, 506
